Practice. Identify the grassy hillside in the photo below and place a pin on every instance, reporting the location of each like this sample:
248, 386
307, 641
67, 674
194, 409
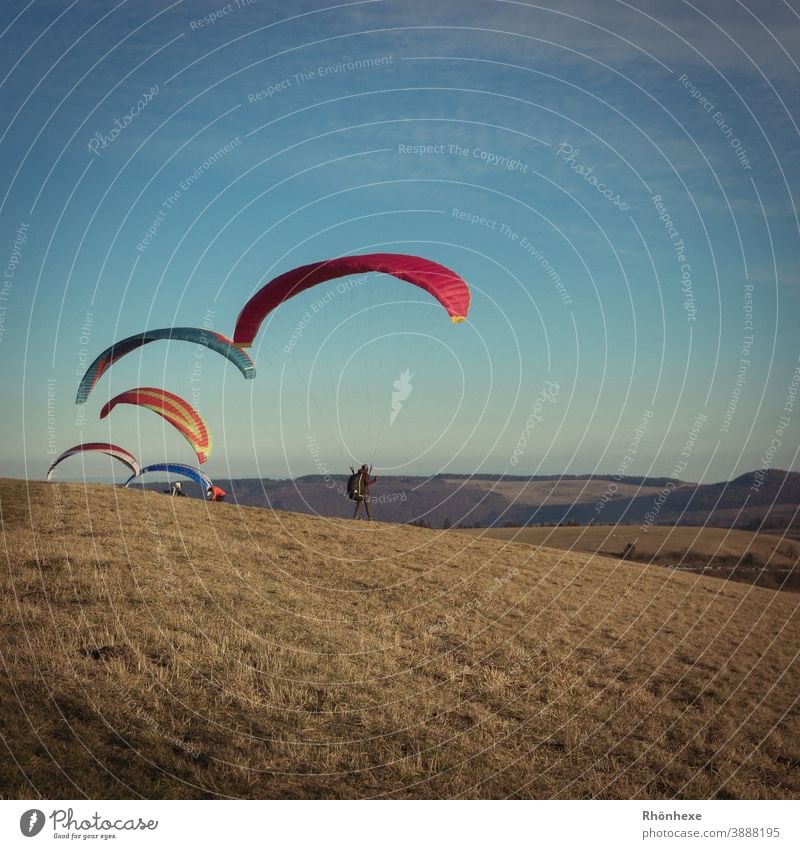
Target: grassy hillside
763, 559
165, 647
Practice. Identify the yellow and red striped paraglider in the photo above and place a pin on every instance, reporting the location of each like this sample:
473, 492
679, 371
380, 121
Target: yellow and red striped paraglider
178, 412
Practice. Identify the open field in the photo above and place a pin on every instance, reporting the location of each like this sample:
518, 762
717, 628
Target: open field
763, 559
164, 647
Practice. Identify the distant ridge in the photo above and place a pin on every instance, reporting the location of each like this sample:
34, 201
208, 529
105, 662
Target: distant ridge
766, 500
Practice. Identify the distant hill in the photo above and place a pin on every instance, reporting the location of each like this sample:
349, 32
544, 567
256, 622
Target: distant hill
755, 501
168, 648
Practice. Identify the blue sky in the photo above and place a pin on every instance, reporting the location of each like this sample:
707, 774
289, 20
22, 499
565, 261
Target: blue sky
617, 182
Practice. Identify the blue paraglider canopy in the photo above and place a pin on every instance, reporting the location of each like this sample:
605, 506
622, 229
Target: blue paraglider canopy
175, 469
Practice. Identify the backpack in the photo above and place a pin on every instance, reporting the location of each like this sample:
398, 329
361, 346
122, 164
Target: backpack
354, 486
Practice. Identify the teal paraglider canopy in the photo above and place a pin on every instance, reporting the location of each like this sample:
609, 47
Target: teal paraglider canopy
198, 335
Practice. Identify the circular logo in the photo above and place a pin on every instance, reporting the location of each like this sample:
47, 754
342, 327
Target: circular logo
31, 822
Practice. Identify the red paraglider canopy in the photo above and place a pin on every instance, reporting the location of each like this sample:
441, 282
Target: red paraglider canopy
444, 284
105, 447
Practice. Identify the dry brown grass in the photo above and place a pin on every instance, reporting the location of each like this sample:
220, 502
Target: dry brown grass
762, 559
165, 647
